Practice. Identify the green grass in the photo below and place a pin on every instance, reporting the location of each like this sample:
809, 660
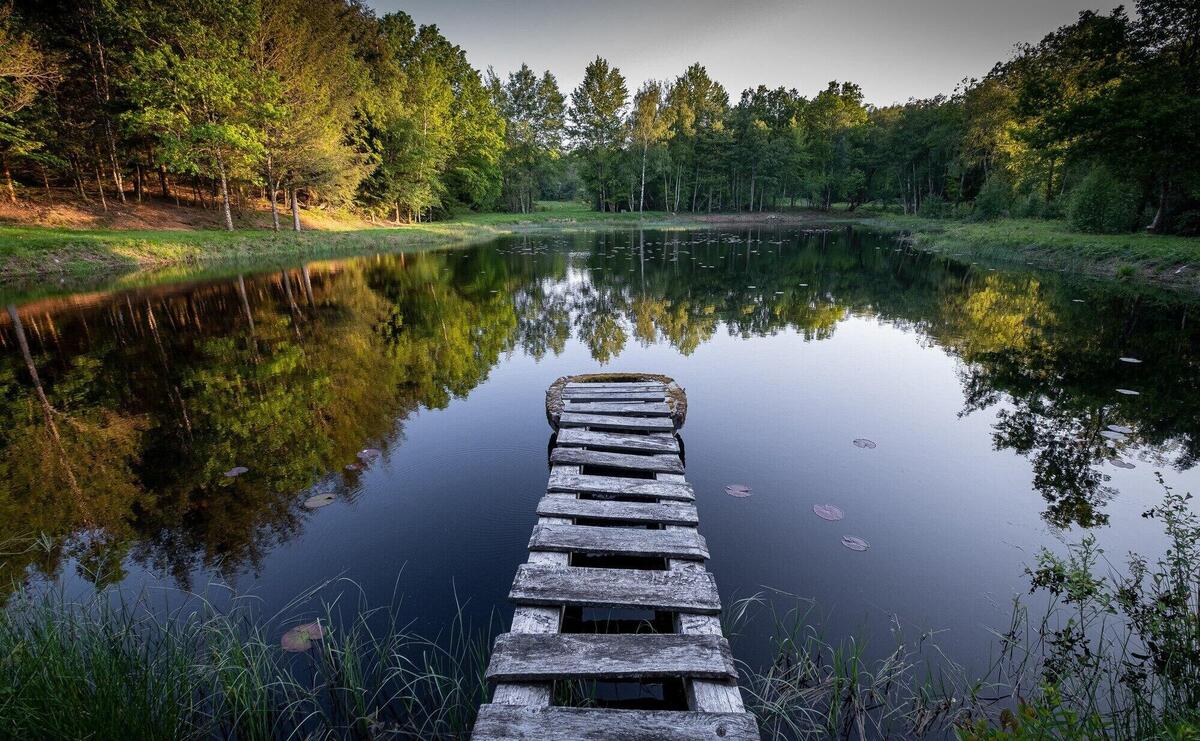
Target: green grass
1165, 259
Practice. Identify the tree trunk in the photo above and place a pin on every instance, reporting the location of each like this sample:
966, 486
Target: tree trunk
642, 197
295, 209
138, 183
1160, 216
12, 191
162, 181
100, 185
225, 195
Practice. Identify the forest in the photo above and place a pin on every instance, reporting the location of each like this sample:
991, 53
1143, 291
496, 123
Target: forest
323, 104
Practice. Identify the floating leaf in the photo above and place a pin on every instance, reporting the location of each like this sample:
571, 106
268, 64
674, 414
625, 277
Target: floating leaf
829, 512
320, 500
1118, 463
1077, 301
1130, 360
1121, 429
737, 490
369, 454
855, 544
863, 442
235, 472
1112, 435
301, 637
1129, 392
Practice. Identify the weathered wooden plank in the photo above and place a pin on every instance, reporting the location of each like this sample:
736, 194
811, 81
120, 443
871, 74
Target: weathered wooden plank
508, 723
694, 591
648, 488
627, 386
619, 541
615, 422
668, 463
652, 443
665, 513
522, 656
615, 395
634, 408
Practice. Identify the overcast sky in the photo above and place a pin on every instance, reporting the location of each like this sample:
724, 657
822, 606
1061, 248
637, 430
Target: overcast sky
894, 49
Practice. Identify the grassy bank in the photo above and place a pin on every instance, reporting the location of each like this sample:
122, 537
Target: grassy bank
1161, 259
1112, 656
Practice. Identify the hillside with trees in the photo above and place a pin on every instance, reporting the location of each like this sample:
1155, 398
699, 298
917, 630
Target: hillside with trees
323, 104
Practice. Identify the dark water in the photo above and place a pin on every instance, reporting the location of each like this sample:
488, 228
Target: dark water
985, 392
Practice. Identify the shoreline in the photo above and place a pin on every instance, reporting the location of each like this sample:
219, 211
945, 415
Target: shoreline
33, 257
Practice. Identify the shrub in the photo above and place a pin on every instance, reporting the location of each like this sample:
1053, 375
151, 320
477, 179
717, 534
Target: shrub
936, 208
995, 198
1101, 204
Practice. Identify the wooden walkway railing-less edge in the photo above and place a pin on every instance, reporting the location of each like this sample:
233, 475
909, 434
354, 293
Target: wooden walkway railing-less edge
622, 427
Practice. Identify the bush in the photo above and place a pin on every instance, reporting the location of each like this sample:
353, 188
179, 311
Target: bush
936, 208
1101, 204
995, 198
1032, 206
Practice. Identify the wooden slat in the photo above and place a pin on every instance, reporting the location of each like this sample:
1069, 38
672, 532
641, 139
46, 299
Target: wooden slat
694, 591
523, 657
630, 386
634, 408
652, 443
647, 488
668, 463
509, 723
664, 513
615, 422
619, 541
614, 395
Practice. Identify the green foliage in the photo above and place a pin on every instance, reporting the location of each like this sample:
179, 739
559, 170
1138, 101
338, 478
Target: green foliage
995, 198
1101, 204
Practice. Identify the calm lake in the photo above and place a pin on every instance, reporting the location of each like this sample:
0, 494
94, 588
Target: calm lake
987, 393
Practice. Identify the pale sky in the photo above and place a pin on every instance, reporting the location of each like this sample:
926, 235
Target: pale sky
894, 49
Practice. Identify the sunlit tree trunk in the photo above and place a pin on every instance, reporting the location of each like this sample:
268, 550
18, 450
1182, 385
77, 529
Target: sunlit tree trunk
295, 209
225, 195
12, 191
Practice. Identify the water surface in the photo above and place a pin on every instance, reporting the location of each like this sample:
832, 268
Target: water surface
985, 391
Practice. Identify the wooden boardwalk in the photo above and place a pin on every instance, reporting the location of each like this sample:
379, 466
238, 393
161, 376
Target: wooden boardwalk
617, 530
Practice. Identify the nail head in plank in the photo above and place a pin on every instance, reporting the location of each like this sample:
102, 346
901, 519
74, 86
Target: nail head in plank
649, 488
651, 443
508, 723
665, 513
615, 422
692, 591
685, 543
668, 463
521, 656
634, 408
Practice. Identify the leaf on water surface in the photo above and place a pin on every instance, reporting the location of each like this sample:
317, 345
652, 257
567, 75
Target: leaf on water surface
737, 490
1121, 429
863, 442
829, 512
369, 454
1118, 463
1077, 301
235, 472
301, 637
1112, 435
1129, 392
1130, 360
320, 500
855, 544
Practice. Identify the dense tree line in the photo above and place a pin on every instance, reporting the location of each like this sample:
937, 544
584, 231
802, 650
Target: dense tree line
324, 103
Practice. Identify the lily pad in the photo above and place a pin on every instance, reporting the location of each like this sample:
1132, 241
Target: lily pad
320, 500
863, 442
1121, 429
1118, 463
1130, 360
829, 512
855, 544
1129, 392
737, 490
235, 472
1112, 435
369, 454
301, 637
